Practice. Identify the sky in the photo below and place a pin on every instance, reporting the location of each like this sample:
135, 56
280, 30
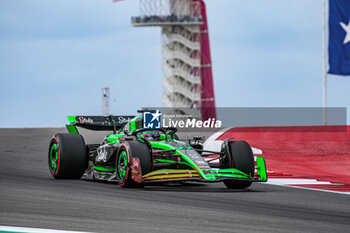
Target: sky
55, 56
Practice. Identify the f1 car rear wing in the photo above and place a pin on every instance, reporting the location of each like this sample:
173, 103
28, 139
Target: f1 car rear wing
102, 123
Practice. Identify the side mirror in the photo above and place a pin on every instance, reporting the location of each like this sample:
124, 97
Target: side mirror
111, 119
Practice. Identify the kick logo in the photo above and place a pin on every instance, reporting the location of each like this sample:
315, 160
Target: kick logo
152, 119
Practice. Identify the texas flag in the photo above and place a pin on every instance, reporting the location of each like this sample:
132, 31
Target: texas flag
339, 37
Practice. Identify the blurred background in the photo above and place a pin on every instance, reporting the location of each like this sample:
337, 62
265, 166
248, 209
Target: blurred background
55, 56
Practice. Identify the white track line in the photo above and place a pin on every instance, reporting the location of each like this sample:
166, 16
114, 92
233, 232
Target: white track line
281, 182
211, 143
34, 230
215, 145
289, 181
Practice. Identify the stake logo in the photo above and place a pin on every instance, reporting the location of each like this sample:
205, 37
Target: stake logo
152, 119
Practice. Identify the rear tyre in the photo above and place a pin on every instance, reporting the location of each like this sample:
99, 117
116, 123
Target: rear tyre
67, 157
127, 151
240, 157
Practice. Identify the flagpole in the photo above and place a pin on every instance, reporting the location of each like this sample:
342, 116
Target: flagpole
325, 63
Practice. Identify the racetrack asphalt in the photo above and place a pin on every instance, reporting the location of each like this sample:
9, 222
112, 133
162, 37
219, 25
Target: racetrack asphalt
30, 197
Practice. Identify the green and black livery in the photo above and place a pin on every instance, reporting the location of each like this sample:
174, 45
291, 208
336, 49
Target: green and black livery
135, 156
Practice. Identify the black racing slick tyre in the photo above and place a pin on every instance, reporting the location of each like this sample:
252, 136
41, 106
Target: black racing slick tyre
127, 151
242, 158
67, 156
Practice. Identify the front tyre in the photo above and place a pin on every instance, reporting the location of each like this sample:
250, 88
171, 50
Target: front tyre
127, 151
67, 157
240, 156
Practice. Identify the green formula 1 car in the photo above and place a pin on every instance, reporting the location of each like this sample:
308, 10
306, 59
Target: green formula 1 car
135, 156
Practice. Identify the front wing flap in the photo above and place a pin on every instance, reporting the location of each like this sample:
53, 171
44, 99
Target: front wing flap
168, 175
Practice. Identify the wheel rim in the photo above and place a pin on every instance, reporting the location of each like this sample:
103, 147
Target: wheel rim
122, 163
53, 159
